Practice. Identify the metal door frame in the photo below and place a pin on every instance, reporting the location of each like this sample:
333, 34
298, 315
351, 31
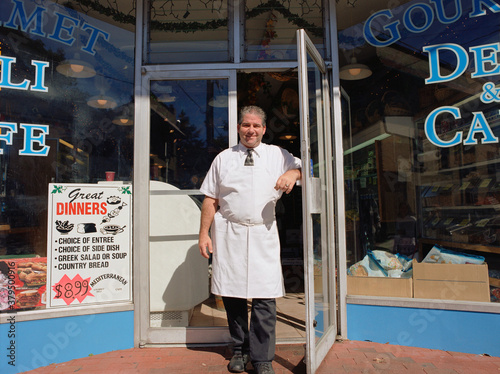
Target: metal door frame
144, 334
141, 153
316, 352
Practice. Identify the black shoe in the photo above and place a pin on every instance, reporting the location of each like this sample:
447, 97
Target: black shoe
263, 368
238, 363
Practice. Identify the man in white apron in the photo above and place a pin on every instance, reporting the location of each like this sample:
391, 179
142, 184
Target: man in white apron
241, 190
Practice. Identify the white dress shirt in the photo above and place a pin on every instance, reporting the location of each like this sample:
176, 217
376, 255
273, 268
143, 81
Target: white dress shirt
246, 258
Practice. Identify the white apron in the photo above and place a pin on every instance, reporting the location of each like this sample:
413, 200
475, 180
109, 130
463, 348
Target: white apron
246, 259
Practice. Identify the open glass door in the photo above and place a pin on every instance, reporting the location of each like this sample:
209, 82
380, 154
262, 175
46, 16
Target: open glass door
317, 190
189, 113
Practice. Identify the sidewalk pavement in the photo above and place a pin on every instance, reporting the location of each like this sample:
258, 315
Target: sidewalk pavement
344, 357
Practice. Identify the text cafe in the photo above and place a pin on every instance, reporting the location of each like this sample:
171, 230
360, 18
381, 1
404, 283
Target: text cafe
112, 112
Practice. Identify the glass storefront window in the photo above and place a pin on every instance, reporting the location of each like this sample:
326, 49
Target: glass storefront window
66, 109
421, 146
189, 120
188, 31
189, 127
280, 20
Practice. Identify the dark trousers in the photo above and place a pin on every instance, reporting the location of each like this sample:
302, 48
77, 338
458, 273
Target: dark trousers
260, 340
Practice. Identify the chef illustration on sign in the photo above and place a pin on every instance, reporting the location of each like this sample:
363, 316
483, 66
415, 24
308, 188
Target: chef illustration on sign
241, 190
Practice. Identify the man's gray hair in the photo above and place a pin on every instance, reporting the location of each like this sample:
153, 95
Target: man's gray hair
252, 109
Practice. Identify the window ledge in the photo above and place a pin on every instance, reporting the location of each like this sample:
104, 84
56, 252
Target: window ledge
33, 315
465, 306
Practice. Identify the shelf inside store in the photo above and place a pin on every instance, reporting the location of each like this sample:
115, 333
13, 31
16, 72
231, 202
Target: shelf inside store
464, 246
432, 173
462, 207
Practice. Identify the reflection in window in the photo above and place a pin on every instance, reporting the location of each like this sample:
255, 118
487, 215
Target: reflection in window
80, 108
188, 31
280, 20
189, 127
412, 188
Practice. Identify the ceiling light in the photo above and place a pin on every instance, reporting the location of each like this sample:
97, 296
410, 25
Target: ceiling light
288, 136
123, 121
166, 98
101, 102
354, 71
163, 92
75, 68
219, 102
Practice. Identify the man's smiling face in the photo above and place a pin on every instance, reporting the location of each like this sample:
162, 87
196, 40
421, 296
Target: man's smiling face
251, 130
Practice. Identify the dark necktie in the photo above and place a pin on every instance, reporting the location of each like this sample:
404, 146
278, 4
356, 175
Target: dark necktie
249, 159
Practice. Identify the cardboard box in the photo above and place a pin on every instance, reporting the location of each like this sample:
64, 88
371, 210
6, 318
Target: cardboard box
379, 286
451, 282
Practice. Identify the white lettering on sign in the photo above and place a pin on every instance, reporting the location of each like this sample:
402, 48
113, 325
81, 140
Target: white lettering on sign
483, 55
34, 138
6, 75
479, 125
40, 21
385, 23
63, 26
384, 28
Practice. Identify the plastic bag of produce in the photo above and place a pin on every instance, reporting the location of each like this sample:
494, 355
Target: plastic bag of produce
382, 264
395, 265
440, 255
366, 267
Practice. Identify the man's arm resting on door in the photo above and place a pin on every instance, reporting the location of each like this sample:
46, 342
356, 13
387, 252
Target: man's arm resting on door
288, 179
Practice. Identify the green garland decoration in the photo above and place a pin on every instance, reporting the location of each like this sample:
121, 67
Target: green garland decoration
292, 18
110, 12
187, 27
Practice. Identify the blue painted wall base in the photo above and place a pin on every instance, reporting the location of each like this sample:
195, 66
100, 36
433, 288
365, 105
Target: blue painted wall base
457, 331
43, 342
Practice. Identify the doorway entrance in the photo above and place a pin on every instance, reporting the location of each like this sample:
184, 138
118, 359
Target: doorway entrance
277, 93
189, 126
192, 117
